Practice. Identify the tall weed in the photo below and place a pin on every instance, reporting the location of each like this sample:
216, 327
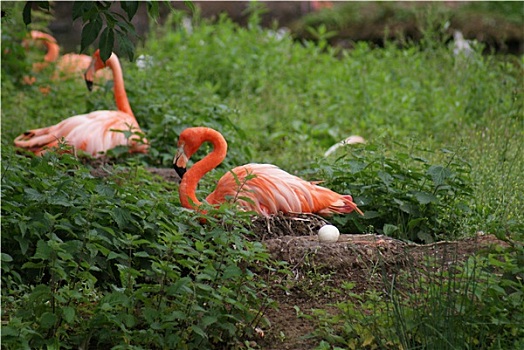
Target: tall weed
474, 304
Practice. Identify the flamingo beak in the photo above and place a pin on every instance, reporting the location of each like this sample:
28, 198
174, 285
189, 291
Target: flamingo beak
180, 171
89, 75
180, 162
89, 84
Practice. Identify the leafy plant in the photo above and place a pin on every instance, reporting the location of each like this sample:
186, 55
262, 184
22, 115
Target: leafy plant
401, 193
472, 304
94, 14
109, 262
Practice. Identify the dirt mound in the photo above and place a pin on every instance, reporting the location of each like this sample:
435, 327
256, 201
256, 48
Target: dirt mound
366, 260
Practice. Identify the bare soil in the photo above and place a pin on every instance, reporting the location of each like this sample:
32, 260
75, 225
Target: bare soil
319, 269
369, 261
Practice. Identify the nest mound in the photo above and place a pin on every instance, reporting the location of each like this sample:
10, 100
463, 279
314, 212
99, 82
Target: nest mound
281, 225
294, 238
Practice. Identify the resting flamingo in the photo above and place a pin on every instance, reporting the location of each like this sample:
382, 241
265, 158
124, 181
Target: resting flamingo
67, 66
95, 132
263, 188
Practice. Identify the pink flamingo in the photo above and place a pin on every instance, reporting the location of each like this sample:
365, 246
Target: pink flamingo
263, 188
67, 66
95, 132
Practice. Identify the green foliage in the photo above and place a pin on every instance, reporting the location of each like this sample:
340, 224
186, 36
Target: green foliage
97, 264
95, 14
401, 193
117, 28
14, 62
509, 10
472, 305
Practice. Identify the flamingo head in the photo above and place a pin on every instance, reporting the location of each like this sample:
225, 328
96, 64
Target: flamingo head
189, 141
184, 151
180, 163
95, 65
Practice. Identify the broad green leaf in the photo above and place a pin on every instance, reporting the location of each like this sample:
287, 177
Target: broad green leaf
204, 286
425, 198
126, 46
232, 271
198, 330
33, 195
199, 246
22, 225
208, 320
43, 250
130, 7
439, 174
368, 339
107, 40
26, 13
48, 320
111, 21
6, 257
115, 299
90, 32
69, 314
386, 178
129, 320
371, 214
356, 166
31, 265
114, 255
80, 8
389, 229
141, 254
121, 216
425, 237
10, 331
407, 208
178, 315
181, 285
415, 222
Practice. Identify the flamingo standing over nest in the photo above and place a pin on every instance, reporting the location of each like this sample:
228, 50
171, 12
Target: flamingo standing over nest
95, 132
263, 188
67, 66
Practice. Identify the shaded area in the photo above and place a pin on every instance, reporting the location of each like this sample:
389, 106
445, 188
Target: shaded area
498, 25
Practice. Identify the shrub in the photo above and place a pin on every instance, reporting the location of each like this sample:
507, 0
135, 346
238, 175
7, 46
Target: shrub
100, 264
401, 193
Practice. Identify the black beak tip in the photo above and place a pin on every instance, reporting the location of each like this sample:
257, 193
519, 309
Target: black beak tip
180, 171
89, 84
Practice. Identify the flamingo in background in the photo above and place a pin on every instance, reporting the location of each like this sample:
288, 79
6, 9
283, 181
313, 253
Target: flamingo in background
320, 5
263, 188
95, 132
67, 66
351, 140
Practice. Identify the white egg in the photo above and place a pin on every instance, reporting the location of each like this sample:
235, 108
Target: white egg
328, 233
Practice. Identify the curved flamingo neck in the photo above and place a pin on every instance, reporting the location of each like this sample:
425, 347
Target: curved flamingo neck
189, 183
122, 103
52, 51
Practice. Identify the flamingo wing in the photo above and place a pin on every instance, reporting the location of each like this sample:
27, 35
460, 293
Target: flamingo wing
267, 189
92, 133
